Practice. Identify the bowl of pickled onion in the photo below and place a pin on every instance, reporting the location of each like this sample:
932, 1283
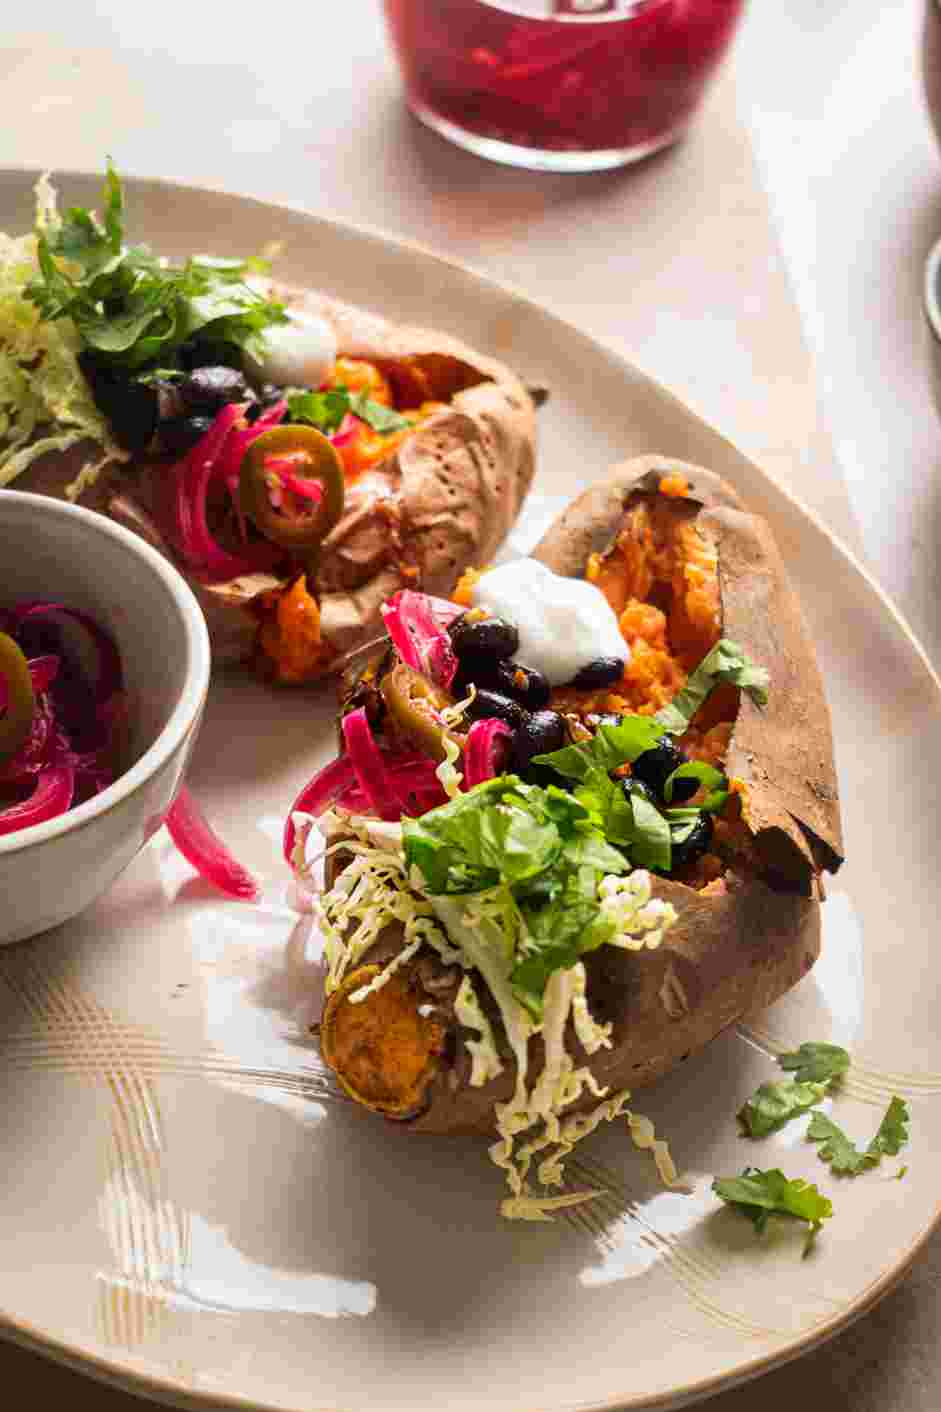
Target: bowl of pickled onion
104, 669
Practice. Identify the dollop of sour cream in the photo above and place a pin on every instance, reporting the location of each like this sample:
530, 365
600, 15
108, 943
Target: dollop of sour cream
300, 353
563, 623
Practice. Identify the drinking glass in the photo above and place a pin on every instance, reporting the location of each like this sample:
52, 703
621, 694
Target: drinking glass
560, 85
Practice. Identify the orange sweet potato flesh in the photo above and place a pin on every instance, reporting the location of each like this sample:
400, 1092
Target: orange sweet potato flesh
382, 1050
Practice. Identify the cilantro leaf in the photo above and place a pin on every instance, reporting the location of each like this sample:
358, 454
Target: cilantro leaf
727, 664
892, 1133
844, 1157
758, 1195
323, 410
128, 307
816, 1062
326, 410
374, 414
774, 1104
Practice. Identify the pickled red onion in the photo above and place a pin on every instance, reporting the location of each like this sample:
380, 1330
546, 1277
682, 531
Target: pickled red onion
202, 847
419, 635
485, 741
52, 795
372, 776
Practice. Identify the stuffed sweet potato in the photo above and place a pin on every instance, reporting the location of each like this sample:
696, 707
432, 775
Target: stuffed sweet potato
420, 502
297, 458
691, 786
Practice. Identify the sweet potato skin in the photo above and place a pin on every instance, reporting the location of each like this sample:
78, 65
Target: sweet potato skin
782, 752
445, 498
741, 943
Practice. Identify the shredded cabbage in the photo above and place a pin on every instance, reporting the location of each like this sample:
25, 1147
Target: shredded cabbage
449, 777
46, 403
591, 1035
485, 932
486, 1063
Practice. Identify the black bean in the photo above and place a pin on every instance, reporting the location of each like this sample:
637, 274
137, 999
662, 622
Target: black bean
491, 636
540, 734
695, 845
209, 389
656, 765
493, 703
525, 684
131, 407
179, 434
475, 669
603, 671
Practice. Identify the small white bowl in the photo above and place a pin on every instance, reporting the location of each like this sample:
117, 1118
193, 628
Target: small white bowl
50, 549
931, 298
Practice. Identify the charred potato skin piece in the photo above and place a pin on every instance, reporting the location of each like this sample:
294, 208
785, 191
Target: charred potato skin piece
740, 945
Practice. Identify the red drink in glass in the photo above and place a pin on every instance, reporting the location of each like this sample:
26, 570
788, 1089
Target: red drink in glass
561, 85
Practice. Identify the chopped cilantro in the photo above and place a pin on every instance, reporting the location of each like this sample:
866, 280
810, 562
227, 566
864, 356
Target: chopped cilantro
131, 309
758, 1195
325, 410
844, 1157
775, 1104
816, 1062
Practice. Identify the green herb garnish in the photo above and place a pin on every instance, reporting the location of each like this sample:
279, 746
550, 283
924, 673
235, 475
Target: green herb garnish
759, 1195
816, 1062
129, 308
774, 1104
326, 410
844, 1157
727, 664
817, 1066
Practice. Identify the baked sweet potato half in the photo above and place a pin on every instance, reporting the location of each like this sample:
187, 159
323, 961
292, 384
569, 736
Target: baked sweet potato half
720, 682
432, 487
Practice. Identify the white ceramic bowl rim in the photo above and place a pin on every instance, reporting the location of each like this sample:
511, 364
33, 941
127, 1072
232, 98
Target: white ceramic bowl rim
187, 709
930, 292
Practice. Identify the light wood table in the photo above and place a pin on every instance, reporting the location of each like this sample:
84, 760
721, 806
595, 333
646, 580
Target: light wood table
746, 286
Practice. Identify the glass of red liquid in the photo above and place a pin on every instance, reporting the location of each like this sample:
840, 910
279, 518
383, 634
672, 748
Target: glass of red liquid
560, 85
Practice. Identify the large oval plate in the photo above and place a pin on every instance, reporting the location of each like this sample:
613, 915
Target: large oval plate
187, 1209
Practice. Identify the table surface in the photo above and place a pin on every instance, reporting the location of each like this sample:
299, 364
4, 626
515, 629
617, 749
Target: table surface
768, 271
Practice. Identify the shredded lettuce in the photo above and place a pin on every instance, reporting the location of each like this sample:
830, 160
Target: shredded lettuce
46, 403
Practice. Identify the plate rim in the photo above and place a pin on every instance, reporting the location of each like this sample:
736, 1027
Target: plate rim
129, 1377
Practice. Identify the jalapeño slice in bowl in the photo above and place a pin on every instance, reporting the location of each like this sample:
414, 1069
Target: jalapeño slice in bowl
17, 700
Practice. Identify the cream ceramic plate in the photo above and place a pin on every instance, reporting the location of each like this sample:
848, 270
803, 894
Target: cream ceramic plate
187, 1209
